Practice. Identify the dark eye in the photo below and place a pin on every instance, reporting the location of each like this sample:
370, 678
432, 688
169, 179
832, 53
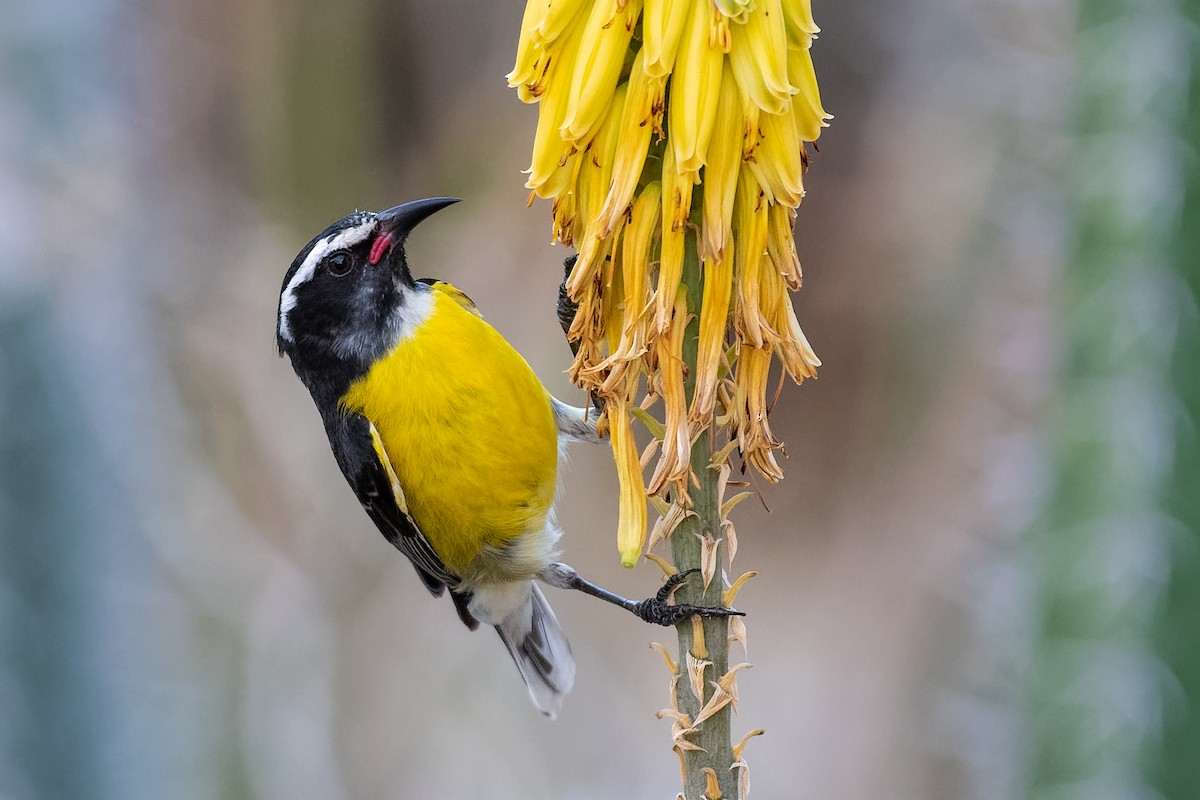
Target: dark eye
339, 264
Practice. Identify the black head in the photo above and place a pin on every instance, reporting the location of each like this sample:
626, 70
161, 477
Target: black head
344, 296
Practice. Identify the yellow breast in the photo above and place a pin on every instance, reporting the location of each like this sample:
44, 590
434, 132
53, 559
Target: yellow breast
469, 430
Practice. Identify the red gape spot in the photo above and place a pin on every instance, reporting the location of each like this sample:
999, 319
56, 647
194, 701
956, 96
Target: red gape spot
378, 247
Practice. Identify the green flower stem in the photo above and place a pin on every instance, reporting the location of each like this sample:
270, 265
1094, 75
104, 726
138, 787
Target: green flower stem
714, 733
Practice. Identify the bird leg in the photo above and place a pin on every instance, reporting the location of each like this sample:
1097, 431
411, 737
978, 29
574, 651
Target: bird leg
654, 609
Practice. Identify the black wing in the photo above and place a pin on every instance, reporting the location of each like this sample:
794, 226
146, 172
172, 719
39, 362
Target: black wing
360, 454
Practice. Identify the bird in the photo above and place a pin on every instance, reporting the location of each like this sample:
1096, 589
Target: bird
446, 435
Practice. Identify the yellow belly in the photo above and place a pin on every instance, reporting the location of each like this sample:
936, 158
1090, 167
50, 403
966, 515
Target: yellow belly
470, 432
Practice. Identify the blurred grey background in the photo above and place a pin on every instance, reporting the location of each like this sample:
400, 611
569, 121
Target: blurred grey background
981, 578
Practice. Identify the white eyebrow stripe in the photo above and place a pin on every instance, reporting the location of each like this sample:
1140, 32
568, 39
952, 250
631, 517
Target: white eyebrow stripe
346, 238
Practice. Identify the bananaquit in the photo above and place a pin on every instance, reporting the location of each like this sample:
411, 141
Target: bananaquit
447, 437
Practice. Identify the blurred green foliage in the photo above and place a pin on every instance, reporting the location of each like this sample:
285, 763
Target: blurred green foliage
1098, 685
1177, 771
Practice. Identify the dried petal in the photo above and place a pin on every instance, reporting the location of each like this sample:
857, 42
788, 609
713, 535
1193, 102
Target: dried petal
708, 557
666, 566
672, 665
695, 670
698, 645
729, 594
712, 789
740, 746
737, 632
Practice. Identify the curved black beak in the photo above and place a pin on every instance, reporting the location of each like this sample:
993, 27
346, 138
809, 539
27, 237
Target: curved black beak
400, 220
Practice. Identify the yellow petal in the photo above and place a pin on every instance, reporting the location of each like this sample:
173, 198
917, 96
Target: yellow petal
673, 467
643, 101
781, 245
810, 116
595, 175
722, 169
528, 50
549, 149
798, 20
794, 350
606, 35
752, 218
695, 89
759, 57
558, 15
779, 161
677, 206
631, 526
662, 24
714, 316
635, 249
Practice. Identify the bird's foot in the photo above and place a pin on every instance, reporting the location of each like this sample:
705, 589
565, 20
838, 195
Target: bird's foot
658, 611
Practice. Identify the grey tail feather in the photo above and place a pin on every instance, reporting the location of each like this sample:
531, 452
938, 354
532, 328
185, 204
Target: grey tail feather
540, 649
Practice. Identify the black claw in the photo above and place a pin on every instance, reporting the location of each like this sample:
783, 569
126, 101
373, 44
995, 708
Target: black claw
672, 581
657, 611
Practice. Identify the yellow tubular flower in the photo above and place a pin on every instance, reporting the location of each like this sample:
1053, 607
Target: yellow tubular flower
605, 294
644, 99
695, 89
563, 178
587, 327
751, 219
750, 130
558, 14
635, 249
798, 20
595, 176
779, 163
806, 106
735, 127
794, 350
528, 51
673, 466
631, 521
549, 150
759, 57
563, 204
772, 293
714, 317
662, 23
781, 244
563, 51
734, 9
721, 171
750, 412
606, 35
676, 207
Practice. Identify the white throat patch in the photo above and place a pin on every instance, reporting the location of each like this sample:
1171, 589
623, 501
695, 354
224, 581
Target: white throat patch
339, 241
404, 323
